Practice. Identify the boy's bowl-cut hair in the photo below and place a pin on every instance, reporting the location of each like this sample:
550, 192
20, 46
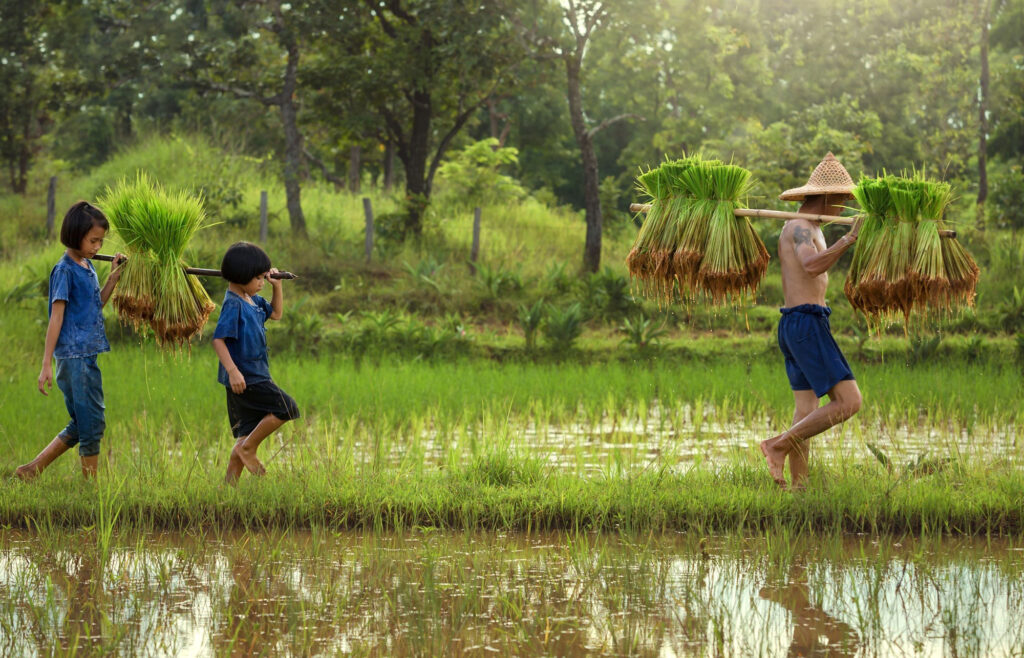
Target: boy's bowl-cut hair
243, 262
78, 221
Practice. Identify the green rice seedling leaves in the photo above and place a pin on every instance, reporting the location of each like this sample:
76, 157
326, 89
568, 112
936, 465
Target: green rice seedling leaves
901, 264
692, 244
155, 227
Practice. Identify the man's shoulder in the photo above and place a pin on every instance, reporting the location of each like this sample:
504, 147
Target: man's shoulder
799, 232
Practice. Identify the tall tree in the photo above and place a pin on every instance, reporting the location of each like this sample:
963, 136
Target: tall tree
425, 68
26, 84
252, 50
984, 6
564, 31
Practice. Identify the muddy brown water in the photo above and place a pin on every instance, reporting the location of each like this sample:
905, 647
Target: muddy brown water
432, 593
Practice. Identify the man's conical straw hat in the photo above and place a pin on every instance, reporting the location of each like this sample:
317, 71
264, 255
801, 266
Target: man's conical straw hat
829, 177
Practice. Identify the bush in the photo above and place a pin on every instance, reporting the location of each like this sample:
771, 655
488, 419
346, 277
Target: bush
472, 176
529, 320
497, 281
1011, 312
563, 326
301, 328
606, 294
641, 332
1006, 195
391, 333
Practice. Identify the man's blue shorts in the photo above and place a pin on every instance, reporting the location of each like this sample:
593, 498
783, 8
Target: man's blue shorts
813, 360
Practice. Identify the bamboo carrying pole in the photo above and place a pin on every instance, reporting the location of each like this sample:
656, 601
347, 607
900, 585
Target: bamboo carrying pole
199, 271
780, 214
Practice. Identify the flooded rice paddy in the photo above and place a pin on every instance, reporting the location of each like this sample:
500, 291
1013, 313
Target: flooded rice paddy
680, 436
432, 593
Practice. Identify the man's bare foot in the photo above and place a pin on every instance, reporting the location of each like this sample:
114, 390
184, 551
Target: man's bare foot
248, 458
26, 472
776, 462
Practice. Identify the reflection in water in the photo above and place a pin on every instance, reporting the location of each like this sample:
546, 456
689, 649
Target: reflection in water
815, 632
75, 579
434, 593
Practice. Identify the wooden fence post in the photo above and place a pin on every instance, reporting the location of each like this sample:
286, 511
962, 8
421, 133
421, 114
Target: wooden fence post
263, 215
368, 211
51, 206
475, 250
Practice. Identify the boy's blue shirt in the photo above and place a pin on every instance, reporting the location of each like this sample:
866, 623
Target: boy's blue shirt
241, 327
82, 333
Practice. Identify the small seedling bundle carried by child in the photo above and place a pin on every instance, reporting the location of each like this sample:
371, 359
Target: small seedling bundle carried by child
901, 263
692, 243
155, 226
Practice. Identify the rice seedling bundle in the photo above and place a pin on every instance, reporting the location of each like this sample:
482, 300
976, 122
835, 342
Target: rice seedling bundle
641, 259
735, 258
695, 244
901, 264
154, 289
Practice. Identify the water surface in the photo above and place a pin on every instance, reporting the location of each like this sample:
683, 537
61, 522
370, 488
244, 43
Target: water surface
431, 593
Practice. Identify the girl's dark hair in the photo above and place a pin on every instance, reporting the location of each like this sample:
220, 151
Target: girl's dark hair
78, 221
243, 262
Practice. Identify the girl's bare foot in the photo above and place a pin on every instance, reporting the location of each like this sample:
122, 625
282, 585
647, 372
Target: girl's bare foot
776, 462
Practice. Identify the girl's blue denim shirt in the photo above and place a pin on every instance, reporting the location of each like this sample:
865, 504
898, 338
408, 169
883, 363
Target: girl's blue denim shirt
82, 333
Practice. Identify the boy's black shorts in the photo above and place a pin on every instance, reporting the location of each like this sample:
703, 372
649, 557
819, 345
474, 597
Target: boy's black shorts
245, 411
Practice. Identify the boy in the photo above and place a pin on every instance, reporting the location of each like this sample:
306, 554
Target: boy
256, 406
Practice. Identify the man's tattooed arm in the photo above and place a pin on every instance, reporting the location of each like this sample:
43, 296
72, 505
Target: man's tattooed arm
802, 236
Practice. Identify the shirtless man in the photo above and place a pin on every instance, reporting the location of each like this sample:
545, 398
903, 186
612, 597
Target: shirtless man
814, 364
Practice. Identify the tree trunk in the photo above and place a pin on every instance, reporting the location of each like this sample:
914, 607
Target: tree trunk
293, 145
496, 118
20, 183
123, 126
389, 165
417, 186
353, 169
588, 158
983, 122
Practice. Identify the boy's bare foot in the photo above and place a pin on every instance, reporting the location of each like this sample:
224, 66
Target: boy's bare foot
248, 458
776, 462
26, 472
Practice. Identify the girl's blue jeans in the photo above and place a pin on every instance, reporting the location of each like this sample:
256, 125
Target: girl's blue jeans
80, 381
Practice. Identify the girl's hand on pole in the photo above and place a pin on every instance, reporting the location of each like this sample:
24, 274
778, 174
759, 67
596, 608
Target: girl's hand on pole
274, 282
115, 267
237, 381
45, 378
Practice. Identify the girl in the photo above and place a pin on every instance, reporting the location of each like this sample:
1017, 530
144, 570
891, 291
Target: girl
74, 336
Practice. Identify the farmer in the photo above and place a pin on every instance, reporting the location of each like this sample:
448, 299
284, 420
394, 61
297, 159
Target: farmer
256, 406
814, 364
75, 336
